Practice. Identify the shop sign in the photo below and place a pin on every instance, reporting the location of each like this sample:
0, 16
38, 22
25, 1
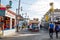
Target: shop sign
2, 11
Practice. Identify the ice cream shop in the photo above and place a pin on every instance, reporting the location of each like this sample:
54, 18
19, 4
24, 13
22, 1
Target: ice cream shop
7, 21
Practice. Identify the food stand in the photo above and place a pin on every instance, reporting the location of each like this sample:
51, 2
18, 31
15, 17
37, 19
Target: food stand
33, 26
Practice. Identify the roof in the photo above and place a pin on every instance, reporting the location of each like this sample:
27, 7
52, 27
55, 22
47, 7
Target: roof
33, 21
57, 10
11, 12
19, 16
7, 9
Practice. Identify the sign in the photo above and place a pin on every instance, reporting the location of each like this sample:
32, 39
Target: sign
2, 11
46, 17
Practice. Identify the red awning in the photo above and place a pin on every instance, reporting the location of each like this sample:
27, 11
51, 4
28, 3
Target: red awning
2, 8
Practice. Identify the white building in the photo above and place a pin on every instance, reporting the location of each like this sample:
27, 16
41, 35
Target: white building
7, 21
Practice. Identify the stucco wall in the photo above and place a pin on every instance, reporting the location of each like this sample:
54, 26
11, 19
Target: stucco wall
11, 31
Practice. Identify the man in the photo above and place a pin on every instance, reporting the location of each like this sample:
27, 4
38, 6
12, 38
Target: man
57, 29
51, 28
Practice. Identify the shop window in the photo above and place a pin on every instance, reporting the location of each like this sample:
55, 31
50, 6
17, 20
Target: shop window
13, 23
7, 23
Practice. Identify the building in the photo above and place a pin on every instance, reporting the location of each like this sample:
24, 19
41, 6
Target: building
7, 21
54, 15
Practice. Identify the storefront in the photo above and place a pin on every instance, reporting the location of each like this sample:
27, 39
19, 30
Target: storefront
7, 21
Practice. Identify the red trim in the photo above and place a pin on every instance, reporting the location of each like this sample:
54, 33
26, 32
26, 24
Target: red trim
11, 12
2, 8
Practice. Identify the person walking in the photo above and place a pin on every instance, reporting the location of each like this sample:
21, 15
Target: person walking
51, 28
57, 30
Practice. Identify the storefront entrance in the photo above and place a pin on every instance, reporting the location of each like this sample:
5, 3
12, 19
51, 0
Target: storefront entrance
7, 23
1, 25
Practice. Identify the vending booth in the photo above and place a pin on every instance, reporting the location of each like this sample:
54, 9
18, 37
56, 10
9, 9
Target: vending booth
33, 26
7, 21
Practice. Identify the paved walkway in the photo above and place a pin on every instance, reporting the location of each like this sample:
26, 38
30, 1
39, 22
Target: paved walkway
26, 35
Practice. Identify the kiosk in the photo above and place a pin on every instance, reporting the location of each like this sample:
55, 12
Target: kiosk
33, 26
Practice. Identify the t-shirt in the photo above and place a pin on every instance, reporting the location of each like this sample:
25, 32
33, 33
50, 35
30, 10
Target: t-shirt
57, 27
51, 25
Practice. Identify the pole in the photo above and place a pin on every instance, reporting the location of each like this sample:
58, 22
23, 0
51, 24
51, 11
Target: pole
19, 7
0, 1
17, 11
18, 15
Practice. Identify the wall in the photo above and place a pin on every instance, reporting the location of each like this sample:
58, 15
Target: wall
11, 31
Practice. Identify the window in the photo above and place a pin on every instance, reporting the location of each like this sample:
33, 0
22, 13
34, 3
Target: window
7, 23
13, 23
1, 23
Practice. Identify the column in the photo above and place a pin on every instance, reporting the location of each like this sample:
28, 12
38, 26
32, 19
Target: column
10, 23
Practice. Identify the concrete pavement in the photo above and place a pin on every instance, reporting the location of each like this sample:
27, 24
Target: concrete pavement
26, 35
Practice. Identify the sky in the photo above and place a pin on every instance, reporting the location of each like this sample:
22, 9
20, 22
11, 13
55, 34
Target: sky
33, 8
